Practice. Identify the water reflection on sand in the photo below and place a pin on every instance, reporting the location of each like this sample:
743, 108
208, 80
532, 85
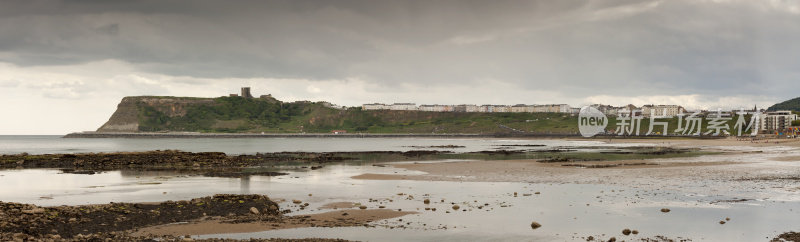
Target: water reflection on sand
566, 211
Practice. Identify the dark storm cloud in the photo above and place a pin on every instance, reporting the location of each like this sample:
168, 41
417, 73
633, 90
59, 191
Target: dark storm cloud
576, 48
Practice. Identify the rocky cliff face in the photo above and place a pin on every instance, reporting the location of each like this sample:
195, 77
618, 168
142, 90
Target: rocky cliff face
126, 117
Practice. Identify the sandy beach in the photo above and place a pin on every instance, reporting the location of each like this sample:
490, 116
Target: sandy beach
339, 218
739, 164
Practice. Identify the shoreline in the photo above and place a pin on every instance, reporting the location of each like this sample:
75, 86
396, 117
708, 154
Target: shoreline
92, 134
300, 135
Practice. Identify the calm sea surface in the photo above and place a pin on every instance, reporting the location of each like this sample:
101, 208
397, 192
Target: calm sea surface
45, 144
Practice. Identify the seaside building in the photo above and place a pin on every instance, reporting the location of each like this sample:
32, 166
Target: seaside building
574, 110
466, 108
519, 108
777, 120
447, 108
403, 106
664, 111
563, 108
374, 106
629, 111
436, 108
502, 109
551, 108
606, 109
426, 108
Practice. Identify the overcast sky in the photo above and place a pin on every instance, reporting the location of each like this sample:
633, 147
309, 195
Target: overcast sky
64, 66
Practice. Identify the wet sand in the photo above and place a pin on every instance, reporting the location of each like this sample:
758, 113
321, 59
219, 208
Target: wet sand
340, 218
787, 158
338, 205
741, 166
690, 142
534, 171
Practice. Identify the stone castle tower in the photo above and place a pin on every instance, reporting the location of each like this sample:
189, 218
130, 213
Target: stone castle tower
246, 92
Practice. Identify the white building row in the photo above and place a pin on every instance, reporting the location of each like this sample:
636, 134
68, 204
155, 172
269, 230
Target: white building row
665, 111
471, 108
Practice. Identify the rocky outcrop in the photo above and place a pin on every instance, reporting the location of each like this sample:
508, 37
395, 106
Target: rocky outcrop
126, 117
29, 222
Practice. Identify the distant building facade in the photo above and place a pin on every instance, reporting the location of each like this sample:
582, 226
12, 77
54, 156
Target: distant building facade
374, 106
777, 120
403, 106
660, 111
664, 111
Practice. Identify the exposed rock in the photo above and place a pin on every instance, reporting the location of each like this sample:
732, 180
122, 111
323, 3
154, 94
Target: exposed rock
69, 221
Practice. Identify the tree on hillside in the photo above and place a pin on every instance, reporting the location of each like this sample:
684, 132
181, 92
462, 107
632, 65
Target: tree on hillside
793, 105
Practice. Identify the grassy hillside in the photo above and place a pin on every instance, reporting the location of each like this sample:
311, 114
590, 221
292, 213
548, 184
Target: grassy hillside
236, 114
793, 105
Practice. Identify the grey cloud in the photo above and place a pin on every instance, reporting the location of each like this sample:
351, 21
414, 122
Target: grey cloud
111, 29
576, 48
9, 83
